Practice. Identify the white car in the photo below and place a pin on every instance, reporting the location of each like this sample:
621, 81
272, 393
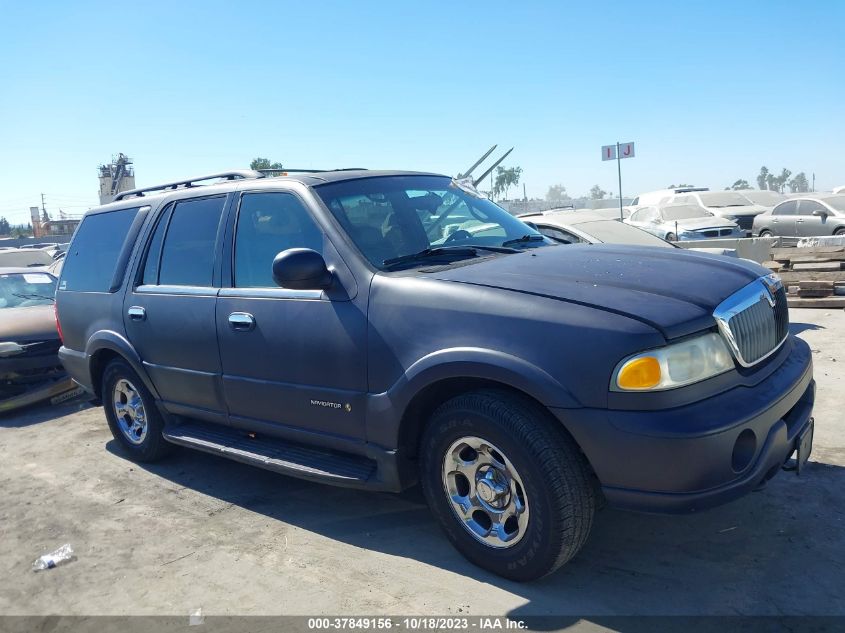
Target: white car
684, 222
730, 205
653, 198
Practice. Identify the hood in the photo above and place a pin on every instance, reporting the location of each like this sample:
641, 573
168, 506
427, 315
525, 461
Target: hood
35, 323
697, 224
750, 209
673, 290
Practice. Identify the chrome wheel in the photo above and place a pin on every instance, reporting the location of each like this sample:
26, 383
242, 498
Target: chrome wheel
129, 411
486, 492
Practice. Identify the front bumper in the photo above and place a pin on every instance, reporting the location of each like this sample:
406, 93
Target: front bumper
647, 461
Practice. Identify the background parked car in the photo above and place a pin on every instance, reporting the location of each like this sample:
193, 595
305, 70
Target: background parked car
809, 215
763, 197
25, 257
684, 222
726, 204
30, 370
584, 227
654, 198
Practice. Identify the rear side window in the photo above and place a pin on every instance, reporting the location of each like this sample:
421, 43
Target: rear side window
787, 208
93, 255
187, 256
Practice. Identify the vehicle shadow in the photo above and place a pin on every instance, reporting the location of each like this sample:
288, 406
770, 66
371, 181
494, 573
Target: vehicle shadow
745, 558
41, 412
798, 328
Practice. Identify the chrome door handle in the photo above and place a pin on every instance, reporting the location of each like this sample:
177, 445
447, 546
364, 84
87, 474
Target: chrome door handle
241, 321
799, 220
137, 313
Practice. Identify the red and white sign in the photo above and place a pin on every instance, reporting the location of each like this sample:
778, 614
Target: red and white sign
626, 150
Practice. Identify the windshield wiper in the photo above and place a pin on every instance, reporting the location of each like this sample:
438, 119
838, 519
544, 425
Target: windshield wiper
33, 296
431, 252
533, 237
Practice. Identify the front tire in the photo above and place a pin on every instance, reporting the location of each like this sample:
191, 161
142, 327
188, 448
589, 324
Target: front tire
765, 233
840, 231
134, 419
512, 491
671, 237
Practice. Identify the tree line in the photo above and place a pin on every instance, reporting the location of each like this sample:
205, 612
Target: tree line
776, 182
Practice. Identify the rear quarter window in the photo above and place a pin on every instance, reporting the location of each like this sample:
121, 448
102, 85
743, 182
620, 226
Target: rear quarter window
93, 255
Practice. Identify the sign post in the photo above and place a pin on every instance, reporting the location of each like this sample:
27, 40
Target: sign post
618, 152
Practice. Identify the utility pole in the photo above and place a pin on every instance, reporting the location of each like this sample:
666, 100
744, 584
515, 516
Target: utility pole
814, 182
524, 195
43, 208
619, 171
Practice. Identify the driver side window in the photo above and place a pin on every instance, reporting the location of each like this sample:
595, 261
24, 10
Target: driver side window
269, 223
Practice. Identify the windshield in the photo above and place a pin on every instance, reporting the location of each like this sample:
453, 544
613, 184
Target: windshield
394, 217
615, 232
723, 199
684, 212
764, 197
21, 290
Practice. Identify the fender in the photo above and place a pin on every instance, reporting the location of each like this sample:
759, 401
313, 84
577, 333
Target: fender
385, 410
108, 339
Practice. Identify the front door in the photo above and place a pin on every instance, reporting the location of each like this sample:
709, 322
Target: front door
810, 225
292, 359
169, 312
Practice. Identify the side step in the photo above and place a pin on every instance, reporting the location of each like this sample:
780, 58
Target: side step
271, 453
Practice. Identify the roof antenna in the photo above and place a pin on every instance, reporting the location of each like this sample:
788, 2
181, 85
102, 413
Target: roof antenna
492, 167
469, 171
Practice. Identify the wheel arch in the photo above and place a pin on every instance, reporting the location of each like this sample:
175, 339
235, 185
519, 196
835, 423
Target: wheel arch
446, 374
105, 346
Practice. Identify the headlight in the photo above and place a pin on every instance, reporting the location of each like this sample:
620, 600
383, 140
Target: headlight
10, 349
674, 366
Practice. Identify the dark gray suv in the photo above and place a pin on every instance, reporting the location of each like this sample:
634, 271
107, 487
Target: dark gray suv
379, 329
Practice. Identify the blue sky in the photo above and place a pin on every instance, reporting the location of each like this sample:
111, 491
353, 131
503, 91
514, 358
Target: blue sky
709, 91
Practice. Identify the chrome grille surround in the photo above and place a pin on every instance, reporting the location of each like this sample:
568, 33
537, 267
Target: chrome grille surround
754, 321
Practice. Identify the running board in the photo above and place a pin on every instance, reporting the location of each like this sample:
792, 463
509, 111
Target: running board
271, 453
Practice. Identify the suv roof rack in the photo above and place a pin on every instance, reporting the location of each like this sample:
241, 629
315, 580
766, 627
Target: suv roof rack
285, 171
236, 174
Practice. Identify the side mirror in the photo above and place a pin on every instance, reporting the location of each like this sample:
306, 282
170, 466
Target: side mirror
301, 269
822, 213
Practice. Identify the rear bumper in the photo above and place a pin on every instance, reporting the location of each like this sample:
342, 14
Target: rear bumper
645, 461
77, 366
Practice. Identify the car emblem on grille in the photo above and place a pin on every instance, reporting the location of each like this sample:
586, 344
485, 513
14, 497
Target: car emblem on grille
772, 284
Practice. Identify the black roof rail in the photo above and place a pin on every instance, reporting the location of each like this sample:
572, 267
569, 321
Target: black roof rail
237, 174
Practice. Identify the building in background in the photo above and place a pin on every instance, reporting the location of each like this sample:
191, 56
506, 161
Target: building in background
117, 176
65, 226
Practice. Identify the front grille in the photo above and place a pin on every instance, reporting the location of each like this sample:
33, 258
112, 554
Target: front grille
755, 320
745, 222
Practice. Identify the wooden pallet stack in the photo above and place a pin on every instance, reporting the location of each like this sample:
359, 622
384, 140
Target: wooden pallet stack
814, 277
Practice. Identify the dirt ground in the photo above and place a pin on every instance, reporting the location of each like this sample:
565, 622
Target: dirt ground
198, 531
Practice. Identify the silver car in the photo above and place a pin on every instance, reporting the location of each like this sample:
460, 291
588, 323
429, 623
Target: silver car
684, 222
805, 216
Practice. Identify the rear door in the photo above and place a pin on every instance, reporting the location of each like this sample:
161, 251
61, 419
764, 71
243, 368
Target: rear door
294, 360
169, 312
783, 219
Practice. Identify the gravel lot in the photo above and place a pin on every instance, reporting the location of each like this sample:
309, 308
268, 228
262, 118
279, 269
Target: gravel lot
197, 531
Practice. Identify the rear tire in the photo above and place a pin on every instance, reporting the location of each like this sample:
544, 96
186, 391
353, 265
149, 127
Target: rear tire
840, 231
490, 453
765, 233
132, 414
671, 237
